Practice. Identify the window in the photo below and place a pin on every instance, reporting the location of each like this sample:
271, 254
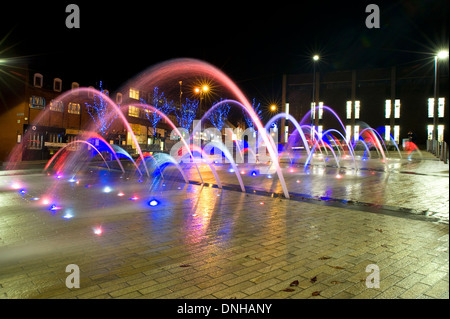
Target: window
75, 86
57, 85
387, 133
440, 132
397, 133
319, 111
387, 109
397, 109
348, 132
38, 80
57, 106
349, 109
73, 108
119, 98
134, 94
37, 102
441, 104
320, 129
357, 109
356, 133
133, 111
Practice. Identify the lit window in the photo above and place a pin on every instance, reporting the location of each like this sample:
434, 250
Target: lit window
37, 102
349, 110
73, 108
430, 132
348, 132
397, 133
387, 109
57, 106
357, 109
440, 132
320, 128
38, 80
356, 133
320, 110
57, 85
397, 109
134, 94
441, 104
133, 111
387, 132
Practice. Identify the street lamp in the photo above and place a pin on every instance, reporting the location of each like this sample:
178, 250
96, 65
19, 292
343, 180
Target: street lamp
443, 54
273, 107
313, 107
201, 91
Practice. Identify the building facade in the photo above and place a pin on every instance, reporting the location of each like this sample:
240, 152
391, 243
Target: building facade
32, 117
393, 100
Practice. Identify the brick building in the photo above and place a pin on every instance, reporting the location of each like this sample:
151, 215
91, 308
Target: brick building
29, 106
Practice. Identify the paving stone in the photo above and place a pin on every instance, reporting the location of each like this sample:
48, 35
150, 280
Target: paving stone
196, 244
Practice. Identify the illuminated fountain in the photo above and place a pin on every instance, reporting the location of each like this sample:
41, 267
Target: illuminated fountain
91, 153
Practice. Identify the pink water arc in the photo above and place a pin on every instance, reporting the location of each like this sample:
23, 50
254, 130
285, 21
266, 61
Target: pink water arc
171, 71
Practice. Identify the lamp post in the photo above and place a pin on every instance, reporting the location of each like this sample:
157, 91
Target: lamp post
201, 91
313, 108
439, 56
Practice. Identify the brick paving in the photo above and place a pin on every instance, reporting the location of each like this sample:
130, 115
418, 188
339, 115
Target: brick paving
204, 242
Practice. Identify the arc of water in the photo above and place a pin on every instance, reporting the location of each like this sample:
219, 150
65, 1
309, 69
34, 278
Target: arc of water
350, 148
325, 146
116, 112
165, 117
293, 121
210, 164
120, 150
249, 109
95, 135
70, 144
227, 154
148, 155
376, 139
178, 67
365, 146
170, 159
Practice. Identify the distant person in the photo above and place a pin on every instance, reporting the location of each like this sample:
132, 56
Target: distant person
411, 146
412, 137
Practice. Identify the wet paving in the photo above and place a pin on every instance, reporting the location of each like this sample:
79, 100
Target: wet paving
162, 238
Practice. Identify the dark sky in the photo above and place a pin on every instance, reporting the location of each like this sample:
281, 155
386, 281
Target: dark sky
253, 42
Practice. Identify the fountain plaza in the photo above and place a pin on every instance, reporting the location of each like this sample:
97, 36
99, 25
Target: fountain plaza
311, 223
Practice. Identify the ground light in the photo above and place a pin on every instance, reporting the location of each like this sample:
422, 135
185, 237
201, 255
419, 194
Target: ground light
153, 203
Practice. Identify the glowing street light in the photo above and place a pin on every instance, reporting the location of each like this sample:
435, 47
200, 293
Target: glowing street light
316, 58
273, 107
441, 55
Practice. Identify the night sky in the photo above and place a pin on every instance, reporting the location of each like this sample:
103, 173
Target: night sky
253, 42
